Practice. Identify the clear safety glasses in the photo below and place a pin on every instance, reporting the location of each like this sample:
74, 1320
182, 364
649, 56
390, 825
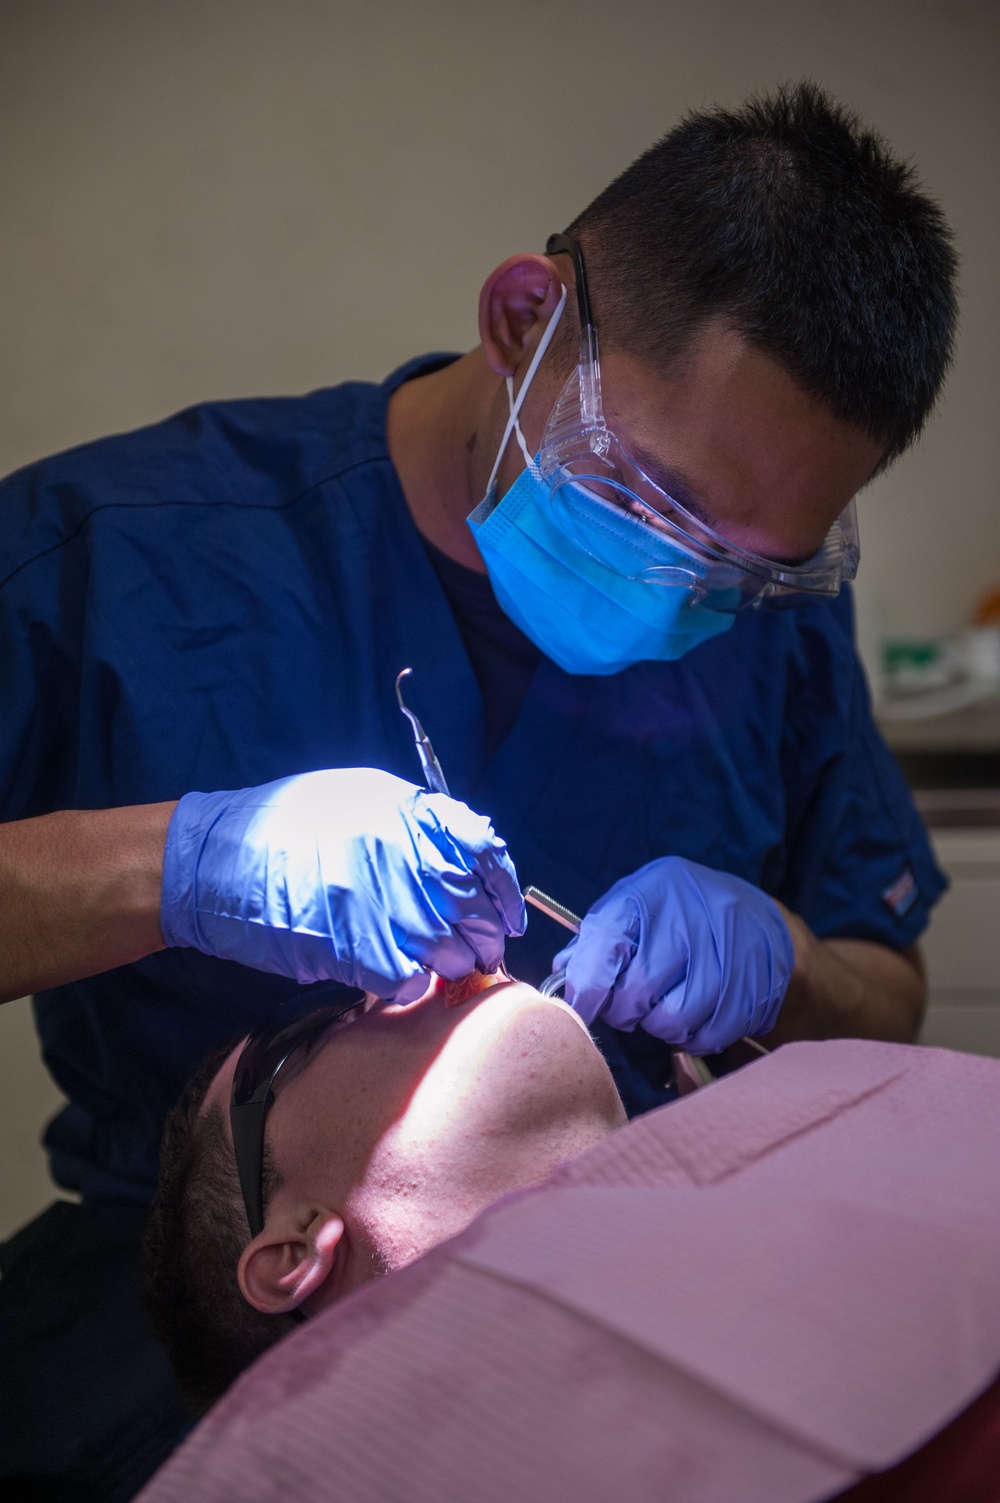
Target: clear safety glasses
582, 460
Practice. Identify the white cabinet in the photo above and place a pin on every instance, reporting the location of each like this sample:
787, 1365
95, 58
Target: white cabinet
962, 945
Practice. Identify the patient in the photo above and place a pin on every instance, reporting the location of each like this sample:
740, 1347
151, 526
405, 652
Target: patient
387, 1136
762, 1292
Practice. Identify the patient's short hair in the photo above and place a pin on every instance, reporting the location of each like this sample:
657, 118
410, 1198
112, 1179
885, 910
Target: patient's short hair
197, 1231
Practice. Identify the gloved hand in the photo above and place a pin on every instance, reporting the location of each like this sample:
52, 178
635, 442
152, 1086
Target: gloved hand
350, 875
694, 956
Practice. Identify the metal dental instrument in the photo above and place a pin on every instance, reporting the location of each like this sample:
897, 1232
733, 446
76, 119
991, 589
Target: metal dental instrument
554, 910
433, 776
688, 1067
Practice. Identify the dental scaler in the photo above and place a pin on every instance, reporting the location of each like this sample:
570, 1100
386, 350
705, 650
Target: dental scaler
433, 776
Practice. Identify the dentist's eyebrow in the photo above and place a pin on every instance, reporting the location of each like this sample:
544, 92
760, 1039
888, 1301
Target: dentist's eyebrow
676, 484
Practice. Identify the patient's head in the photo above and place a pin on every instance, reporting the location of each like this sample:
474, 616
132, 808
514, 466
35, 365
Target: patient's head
389, 1135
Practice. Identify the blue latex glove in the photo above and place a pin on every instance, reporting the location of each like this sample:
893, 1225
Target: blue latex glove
694, 956
350, 875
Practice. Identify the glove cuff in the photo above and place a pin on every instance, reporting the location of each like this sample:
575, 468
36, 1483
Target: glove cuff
782, 965
187, 834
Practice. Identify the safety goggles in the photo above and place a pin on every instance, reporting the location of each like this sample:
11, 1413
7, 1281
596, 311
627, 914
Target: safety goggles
580, 453
278, 1045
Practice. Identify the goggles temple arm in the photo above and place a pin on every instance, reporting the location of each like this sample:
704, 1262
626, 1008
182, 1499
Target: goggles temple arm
591, 405
570, 247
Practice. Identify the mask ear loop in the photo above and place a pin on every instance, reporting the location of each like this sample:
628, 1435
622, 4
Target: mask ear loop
513, 426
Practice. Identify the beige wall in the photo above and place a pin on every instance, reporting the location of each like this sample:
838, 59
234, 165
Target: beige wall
216, 197
207, 198
28, 1098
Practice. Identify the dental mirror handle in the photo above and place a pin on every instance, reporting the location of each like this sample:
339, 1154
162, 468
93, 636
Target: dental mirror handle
554, 910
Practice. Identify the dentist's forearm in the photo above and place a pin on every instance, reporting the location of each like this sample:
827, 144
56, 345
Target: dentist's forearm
850, 988
79, 894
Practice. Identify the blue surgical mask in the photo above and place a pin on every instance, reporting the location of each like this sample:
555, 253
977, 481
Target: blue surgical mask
569, 572
586, 614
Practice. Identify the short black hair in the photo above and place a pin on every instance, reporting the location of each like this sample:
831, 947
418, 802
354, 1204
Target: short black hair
796, 226
197, 1231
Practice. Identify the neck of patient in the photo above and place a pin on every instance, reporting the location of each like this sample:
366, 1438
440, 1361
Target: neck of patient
501, 1106
414, 1193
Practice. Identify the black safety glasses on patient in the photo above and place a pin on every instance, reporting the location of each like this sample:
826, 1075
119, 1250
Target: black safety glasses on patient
286, 1036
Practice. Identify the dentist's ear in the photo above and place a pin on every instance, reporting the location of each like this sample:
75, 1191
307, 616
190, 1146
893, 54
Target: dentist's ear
287, 1262
517, 300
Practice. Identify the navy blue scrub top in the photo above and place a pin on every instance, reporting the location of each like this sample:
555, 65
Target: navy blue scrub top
227, 597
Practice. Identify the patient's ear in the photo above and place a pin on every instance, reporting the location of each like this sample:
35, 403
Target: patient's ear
287, 1261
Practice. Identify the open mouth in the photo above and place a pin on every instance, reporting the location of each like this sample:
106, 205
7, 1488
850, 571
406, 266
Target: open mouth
463, 990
